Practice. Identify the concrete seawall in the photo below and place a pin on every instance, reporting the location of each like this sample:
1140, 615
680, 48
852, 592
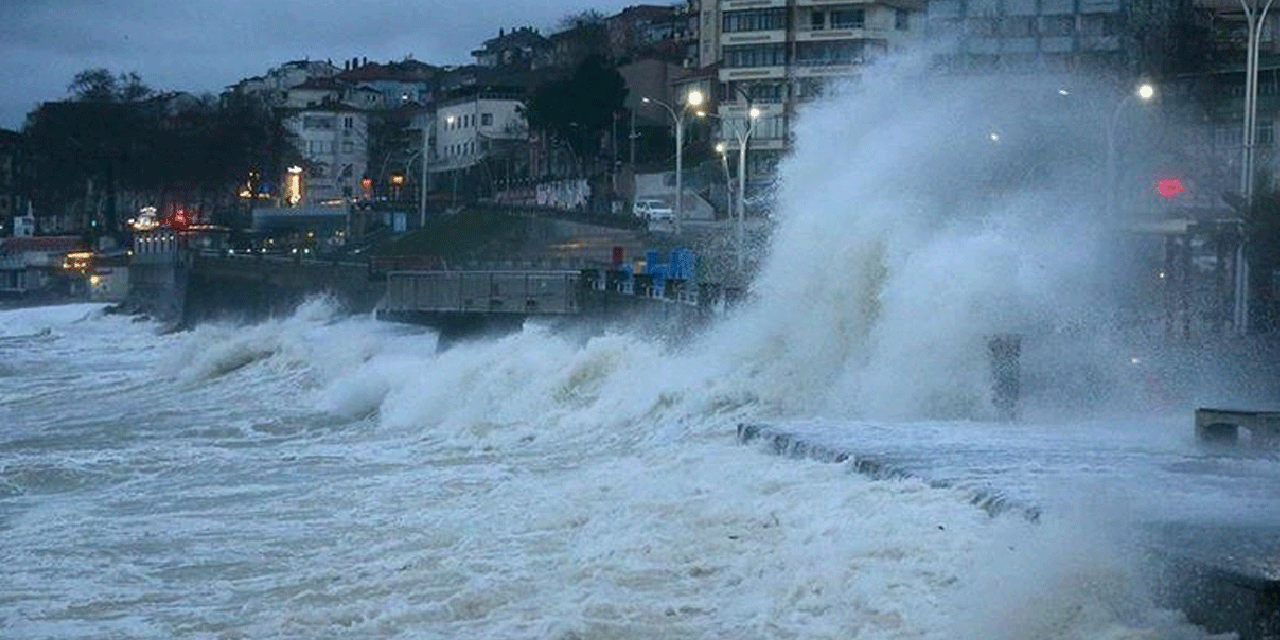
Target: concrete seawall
195, 287
1223, 574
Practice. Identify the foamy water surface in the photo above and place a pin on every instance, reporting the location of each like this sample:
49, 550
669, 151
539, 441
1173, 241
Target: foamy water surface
319, 476
308, 477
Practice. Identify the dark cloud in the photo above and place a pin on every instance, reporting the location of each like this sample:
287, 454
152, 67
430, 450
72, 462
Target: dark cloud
205, 45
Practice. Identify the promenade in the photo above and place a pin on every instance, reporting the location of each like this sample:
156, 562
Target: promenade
1204, 518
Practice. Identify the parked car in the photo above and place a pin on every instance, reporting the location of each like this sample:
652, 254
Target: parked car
653, 209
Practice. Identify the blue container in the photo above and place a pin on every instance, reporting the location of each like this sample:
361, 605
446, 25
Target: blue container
653, 259
660, 272
682, 261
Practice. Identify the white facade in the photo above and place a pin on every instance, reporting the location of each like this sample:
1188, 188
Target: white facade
291, 74
334, 140
467, 129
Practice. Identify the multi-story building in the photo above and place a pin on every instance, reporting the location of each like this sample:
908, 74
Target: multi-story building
333, 140
774, 54
522, 48
272, 89
1121, 38
483, 132
373, 85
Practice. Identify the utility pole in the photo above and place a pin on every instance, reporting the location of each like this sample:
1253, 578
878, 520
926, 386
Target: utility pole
422, 184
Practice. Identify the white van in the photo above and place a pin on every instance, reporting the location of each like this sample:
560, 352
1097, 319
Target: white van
653, 209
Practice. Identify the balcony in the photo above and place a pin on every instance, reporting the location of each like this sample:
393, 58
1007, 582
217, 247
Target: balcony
822, 3
752, 73
825, 68
753, 37
730, 5
841, 33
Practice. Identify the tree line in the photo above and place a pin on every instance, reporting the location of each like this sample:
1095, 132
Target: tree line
115, 138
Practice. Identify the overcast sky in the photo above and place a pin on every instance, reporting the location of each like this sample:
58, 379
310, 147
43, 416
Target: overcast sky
205, 45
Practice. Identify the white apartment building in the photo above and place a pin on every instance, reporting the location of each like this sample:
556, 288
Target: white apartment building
334, 141
775, 54
471, 128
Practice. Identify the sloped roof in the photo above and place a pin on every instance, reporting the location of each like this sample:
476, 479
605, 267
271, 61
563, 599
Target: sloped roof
402, 71
321, 83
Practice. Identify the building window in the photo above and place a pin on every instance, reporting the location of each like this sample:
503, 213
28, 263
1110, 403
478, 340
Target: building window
755, 20
348, 146
348, 122
829, 53
981, 27
762, 93
767, 55
1018, 27
810, 88
1099, 24
1057, 26
901, 19
486, 119
317, 122
817, 21
848, 18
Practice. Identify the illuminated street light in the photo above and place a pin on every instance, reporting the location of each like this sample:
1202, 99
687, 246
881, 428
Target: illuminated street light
744, 136
692, 99
397, 183
723, 150
1144, 92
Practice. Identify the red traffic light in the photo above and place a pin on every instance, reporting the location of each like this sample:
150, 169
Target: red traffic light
1170, 187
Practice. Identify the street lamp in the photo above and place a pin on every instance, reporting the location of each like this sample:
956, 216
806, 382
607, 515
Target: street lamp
422, 183
397, 183
744, 136
724, 164
453, 199
1255, 16
1144, 92
692, 99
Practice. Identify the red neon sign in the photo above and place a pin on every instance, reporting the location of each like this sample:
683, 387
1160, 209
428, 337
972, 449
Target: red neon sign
1170, 187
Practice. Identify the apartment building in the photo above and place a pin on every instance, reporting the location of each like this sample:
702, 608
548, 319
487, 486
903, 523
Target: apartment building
1121, 38
482, 133
334, 141
775, 54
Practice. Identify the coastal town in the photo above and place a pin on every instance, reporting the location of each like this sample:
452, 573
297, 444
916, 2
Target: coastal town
662, 125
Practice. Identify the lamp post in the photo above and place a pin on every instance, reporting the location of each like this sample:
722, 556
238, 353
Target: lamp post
1255, 16
1144, 92
743, 134
724, 164
692, 99
422, 184
453, 199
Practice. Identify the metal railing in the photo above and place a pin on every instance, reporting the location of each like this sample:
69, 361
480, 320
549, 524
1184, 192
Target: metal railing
513, 292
